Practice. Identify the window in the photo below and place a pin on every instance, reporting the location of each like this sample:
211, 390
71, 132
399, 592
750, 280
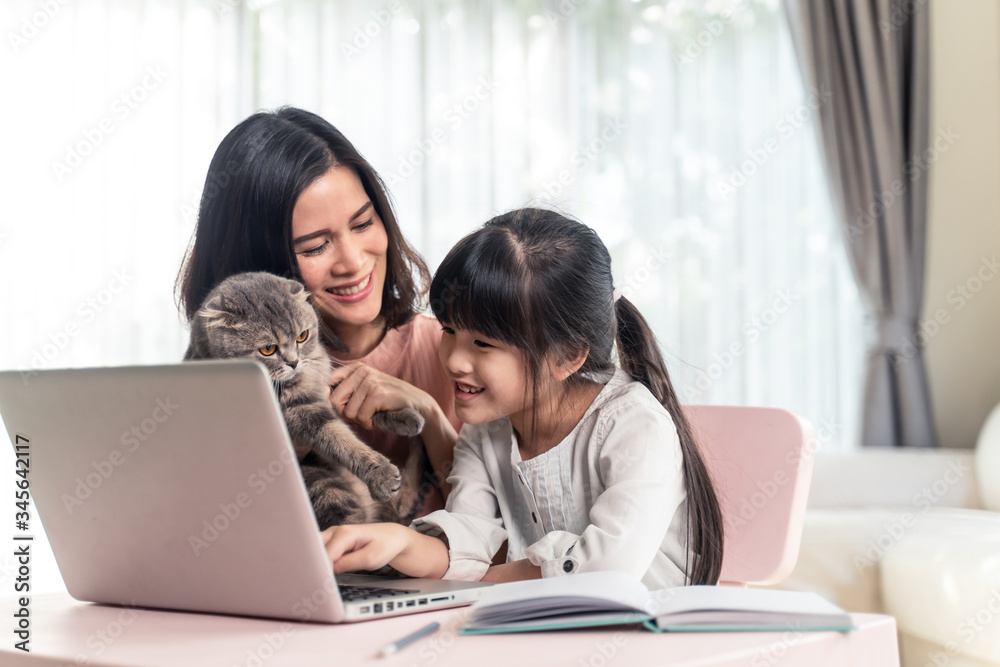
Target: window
679, 129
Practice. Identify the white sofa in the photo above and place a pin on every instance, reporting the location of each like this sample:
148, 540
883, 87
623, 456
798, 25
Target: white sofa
914, 534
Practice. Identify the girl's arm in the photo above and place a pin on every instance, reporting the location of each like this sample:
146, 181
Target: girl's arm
373, 545
513, 571
472, 522
454, 544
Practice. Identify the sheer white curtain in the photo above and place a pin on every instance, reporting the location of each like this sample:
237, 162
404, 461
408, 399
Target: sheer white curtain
678, 129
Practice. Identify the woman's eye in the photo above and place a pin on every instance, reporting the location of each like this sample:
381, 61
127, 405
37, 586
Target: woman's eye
364, 225
302, 336
314, 251
268, 350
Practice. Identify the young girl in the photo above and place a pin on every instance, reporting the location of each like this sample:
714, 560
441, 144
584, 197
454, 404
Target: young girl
576, 464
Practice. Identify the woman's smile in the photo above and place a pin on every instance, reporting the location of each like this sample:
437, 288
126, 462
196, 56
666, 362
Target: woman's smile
352, 292
340, 245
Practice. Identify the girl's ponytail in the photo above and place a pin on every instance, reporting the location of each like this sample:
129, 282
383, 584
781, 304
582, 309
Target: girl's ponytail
639, 356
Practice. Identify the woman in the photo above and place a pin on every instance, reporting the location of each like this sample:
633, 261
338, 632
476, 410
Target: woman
287, 193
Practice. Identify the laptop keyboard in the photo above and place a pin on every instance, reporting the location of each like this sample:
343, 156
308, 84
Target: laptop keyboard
354, 593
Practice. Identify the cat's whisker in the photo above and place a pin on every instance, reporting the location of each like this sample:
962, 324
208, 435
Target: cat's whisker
315, 370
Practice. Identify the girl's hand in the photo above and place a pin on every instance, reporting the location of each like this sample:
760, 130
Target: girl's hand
364, 546
372, 545
360, 391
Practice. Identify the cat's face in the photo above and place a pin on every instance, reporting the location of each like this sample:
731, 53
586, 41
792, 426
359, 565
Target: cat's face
264, 317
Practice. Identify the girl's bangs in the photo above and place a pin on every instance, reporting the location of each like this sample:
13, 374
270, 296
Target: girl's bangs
480, 287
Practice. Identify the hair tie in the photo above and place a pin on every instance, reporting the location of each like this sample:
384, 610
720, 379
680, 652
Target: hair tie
617, 294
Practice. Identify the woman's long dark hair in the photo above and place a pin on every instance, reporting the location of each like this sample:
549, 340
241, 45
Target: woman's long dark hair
245, 217
542, 283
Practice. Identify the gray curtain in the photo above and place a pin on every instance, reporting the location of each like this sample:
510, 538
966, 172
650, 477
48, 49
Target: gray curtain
869, 61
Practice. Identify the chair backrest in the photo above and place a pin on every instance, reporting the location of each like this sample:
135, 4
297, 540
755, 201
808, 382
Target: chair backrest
761, 462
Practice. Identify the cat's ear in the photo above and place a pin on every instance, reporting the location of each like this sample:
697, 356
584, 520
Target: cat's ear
214, 314
216, 318
296, 289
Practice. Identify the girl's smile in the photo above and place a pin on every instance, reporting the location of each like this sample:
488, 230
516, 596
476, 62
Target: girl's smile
467, 392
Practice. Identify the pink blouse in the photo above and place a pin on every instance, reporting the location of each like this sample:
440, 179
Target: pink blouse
410, 353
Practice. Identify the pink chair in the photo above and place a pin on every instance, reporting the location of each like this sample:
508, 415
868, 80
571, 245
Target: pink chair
761, 462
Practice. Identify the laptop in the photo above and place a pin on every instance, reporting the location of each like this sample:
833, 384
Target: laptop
177, 487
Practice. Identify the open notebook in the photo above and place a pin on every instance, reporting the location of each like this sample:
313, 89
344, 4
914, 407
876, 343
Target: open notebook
614, 598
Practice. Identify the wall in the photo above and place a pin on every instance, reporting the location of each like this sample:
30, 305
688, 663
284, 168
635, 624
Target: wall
964, 218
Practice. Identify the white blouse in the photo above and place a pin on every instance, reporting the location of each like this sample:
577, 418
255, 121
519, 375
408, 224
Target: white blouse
610, 496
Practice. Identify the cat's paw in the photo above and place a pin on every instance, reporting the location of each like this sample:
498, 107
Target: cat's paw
383, 481
406, 422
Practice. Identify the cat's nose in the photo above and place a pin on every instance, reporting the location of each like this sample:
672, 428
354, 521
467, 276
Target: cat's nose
293, 363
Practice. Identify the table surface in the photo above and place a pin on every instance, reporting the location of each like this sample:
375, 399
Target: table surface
67, 632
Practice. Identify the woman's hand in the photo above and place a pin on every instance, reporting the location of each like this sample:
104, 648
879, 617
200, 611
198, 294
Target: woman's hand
373, 545
360, 391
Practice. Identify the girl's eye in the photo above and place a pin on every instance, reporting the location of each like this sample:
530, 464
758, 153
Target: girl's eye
302, 336
268, 350
481, 343
364, 225
448, 330
314, 251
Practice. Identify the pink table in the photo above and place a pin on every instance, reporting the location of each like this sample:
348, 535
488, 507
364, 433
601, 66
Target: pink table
66, 632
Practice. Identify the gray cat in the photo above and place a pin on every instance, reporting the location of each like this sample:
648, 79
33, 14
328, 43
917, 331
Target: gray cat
264, 317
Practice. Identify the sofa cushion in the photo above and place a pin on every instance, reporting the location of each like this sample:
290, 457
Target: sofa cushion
941, 580
840, 554
916, 652
988, 461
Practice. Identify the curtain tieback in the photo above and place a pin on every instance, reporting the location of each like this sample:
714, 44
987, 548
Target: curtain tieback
892, 333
